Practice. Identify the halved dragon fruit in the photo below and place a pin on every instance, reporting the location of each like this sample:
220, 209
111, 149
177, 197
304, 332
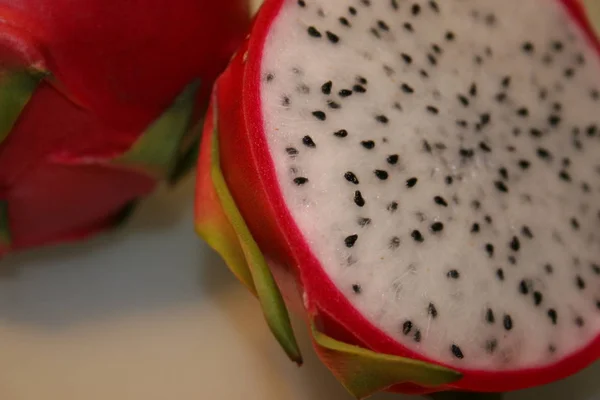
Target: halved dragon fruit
422, 180
99, 101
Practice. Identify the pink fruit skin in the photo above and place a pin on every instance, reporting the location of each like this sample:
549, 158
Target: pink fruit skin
115, 67
250, 175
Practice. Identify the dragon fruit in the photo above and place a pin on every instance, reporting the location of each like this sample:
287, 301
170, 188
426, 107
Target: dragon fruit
100, 102
420, 179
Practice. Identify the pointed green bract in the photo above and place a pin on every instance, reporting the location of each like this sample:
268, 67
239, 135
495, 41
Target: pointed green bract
126, 213
268, 293
364, 372
5, 238
16, 88
156, 151
188, 154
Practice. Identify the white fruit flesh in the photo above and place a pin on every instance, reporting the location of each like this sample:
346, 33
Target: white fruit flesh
525, 169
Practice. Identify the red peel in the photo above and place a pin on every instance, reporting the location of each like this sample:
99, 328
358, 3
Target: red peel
114, 111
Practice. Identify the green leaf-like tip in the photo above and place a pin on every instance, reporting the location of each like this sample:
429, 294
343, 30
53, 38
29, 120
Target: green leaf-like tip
16, 88
157, 149
5, 237
364, 372
267, 292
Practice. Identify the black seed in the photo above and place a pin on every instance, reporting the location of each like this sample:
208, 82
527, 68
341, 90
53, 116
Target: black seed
552, 315
333, 38
500, 97
434, 6
453, 274
476, 204
356, 288
523, 288
433, 110
503, 173
350, 177
515, 244
564, 175
579, 322
407, 59
489, 316
432, 310
450, 36
473, 90
552, 349
394, 4
350, 240
301, 3
417, 236
524, 164
483, 146
342, 133
411, 182
579, 282
320, 115
359, 89
457, 352
569, 72
291, 151
463, 99
535, 132
382, 119
286, 101
437, 227
527, 47
352, 10
475, 228
488, 219
512, 260
364, 221
326, 88
408, 27
312, 31
505, 82
557, 45
345, 93
406, 88
507, 322
333, 105
489, 248
485, 118
591, 130
415, 9
449, 180
491, 345
368, 144
595, 268
549, 269
383, 26
523, 112
417, 336
525, 231
440, 201
437, 49
300, 181
344, 21
393, 159
500, 274
501, 186
462, 123
431, 58
575, 224
393, 206
270, 77
598, 304
308, 142
382, 175
394, 242
466, 153
537, 298
358, 199
554, 120
407, 327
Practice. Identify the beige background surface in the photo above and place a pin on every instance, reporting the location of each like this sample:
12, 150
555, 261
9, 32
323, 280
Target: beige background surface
150, 313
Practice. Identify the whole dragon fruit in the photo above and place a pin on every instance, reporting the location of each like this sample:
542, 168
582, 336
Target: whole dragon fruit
421, 180
99, 101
